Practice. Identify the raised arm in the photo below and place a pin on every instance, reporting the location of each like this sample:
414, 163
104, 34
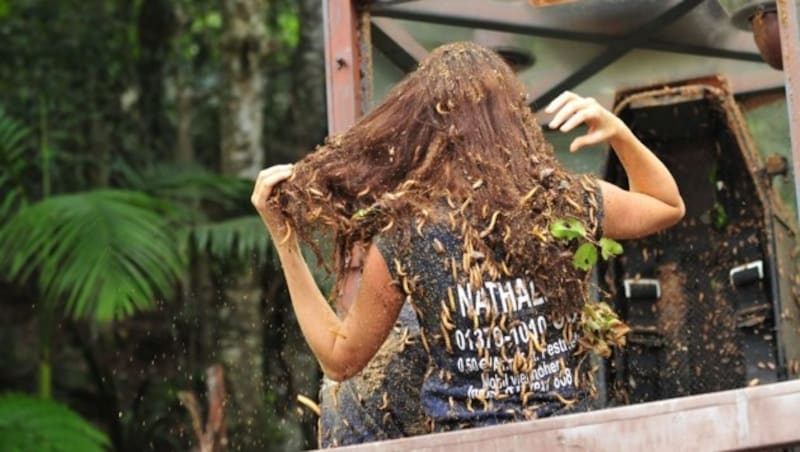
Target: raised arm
652, 202
342, 347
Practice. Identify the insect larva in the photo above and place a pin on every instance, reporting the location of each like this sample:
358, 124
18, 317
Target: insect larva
452, 298
488, 230
437, 245
572, 203
388, 226
450, 201
424, 341
288, 234
398, 268
567, 403
447, 345
528, 195
477, 184
384, 401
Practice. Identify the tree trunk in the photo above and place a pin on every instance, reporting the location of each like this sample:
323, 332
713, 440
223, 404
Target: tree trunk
241, 323
243, 50
291, 369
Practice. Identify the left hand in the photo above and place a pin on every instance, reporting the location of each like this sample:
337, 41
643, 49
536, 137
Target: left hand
572, 110
267, 179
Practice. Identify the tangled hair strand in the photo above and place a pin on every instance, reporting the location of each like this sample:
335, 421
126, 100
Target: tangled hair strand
453, 142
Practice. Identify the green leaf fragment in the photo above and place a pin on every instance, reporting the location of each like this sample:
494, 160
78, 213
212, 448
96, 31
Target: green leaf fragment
585, 257
609, 247
569, 228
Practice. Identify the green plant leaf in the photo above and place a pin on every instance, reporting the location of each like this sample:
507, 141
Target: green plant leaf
103, 254
569, 228
585, 257
609, 247
33, 424
239, 238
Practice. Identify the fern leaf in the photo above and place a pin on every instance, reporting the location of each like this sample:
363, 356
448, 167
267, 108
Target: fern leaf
104, 254
29, 424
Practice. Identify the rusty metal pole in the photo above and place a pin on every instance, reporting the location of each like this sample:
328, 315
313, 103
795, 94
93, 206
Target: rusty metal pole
342, 64
790, 46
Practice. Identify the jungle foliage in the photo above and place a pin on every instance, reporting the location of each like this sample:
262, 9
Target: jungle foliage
124, 244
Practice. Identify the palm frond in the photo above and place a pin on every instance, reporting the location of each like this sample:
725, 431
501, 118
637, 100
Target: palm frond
188, 183
32, 424
105, 254
13, 163
239, 238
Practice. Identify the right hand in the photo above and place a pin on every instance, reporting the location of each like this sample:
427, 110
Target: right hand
572, 110
267, 179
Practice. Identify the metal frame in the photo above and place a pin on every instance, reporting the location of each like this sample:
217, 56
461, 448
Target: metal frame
790, 46
342, 64
343, 59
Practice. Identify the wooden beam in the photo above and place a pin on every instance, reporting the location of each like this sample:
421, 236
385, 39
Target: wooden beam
756, 417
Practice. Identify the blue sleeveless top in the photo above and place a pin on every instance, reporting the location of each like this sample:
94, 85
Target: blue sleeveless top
495, 354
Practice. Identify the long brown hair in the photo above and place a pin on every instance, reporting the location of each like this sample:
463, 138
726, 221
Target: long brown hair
456, 132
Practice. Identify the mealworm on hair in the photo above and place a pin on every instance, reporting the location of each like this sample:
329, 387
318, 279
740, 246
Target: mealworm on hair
488, 230
528, 195
388, 226
572, 203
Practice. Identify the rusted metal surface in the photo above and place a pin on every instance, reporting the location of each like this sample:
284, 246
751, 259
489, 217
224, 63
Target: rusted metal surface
397, 44
740, 419
790, 45
342, 64
616, 50
599, 22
